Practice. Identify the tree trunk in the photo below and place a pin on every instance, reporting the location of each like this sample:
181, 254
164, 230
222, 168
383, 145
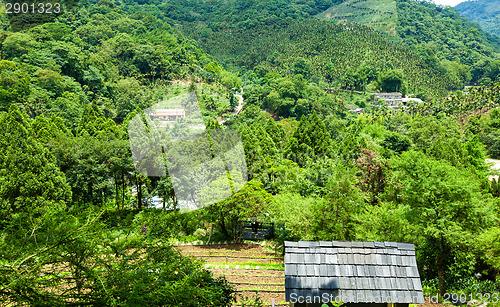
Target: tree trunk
440, 268
123, 190
139, 193
117, 193
223, 226
211, 233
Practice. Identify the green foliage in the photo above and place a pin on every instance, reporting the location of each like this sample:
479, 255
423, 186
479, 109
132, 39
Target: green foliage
107, 57
448, 34
485, 13
14, 84
392, 81
396, 142
252, 201
30, 181
335, 52
414, 175
17, 44
254, 301
19, 20
72, 260
162, 224
333, 218
445, 204
295, 213
309, 141
385, 222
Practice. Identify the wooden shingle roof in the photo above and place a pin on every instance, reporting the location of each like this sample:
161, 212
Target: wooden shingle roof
356, 272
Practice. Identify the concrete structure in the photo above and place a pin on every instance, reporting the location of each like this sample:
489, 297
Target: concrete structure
169, 115
359, 274
391, 99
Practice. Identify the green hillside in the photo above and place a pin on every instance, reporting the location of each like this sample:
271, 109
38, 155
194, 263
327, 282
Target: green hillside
378, 14
81, 225
484, 12
323, 49
440, 37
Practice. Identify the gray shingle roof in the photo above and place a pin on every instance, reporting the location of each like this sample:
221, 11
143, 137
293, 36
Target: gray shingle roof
356, 272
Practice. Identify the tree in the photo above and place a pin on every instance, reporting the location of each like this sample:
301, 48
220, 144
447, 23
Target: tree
392, 81
30, 181
105, 268
69, 107
334, 218
302, 67
14, 84
396, 142
233, 103
446, 205
18, 43
251, 201
309, 141
128, 95
93, 123
373, 171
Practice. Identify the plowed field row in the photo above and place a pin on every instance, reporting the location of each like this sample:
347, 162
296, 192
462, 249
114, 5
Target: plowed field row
248, 267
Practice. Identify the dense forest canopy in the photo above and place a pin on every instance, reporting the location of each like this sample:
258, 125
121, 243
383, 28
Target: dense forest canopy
72, 198
484, 12
442, 39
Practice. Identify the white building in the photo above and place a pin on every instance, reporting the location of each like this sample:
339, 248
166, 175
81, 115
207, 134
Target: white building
391, 99
169, 115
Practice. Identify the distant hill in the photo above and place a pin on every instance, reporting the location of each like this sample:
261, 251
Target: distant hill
327, 50
484, 12
439, 37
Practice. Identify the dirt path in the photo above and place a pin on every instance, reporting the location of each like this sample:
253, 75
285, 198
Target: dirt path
238, 108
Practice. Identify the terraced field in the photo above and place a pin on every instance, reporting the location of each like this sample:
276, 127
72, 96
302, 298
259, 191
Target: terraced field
248, 267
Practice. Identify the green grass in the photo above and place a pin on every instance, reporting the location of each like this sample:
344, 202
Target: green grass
213, 255
255, 275
248, 266
260, 283
258, 289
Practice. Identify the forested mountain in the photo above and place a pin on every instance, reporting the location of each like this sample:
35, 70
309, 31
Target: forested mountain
446, 41
75, 225
349, 56
484, 12
107, 57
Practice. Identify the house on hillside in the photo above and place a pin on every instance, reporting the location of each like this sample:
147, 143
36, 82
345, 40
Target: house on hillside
168, 115
391, 99
358, 274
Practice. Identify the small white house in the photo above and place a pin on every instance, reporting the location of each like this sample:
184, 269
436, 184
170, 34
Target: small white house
391, 99
169, 115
